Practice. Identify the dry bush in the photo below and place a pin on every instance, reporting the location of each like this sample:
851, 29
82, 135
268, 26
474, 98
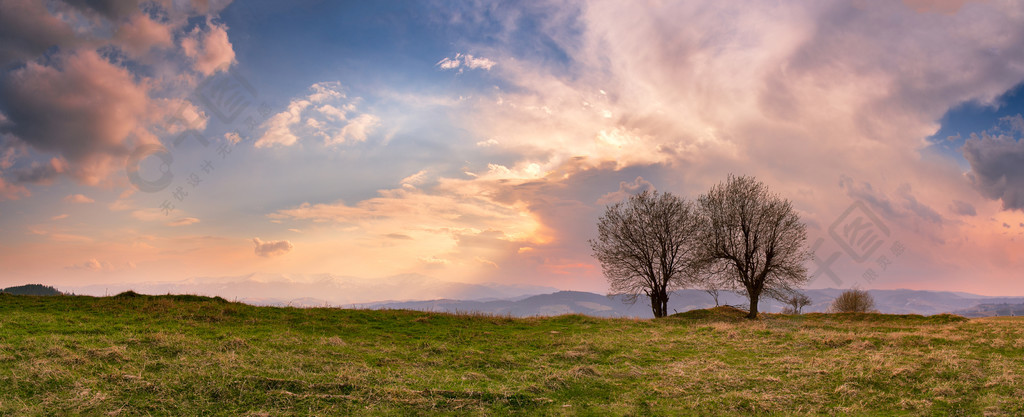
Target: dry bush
853, 301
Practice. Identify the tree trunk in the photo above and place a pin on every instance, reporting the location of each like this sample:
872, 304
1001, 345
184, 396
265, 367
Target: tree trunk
659, 303
753, 306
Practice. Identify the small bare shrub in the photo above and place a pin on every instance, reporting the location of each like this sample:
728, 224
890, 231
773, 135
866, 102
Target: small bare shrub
853, 301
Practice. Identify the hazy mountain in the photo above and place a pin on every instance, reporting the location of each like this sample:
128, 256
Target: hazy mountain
320, 289
418, 292
566, 302
993, 309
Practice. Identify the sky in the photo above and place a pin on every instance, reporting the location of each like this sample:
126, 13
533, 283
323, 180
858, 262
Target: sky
478, 142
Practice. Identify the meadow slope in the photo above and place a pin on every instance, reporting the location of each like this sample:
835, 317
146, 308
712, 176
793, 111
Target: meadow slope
187, 355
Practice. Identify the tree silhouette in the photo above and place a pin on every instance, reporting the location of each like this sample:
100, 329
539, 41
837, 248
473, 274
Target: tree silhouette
647, 245
753, 237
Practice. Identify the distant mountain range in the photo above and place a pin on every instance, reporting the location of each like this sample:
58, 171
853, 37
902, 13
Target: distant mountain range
418, 292
566, 302
992, 309
319, 289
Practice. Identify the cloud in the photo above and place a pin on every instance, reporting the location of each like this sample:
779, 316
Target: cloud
323, 113
210, 50
625, 190
996, 158
110, 9
140, 34
149, 214
1014, 123
96, 265
327, 91
12, 191
60, 216
83, 108
434, 262
356, 130
963, 208
333, 112
184, 221
78, 198
889, 207
465, 61
278, 128
765, 89
59, 236
448, 63
591, 94
474, 63
271, 248
416, 179
27, 29
921, 210
233, 137
76, 102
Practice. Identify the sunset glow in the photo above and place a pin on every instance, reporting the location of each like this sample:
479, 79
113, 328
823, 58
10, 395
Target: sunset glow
480, 143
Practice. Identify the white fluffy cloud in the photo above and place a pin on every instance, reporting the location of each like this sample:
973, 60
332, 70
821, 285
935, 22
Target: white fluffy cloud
462, 62
356, 130
325, 113
278, 128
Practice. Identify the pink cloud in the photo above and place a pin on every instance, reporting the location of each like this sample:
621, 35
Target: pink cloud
210, 50
626, 189
184, 221
12, 191
28, 29
78, 198
82, 108
140, 34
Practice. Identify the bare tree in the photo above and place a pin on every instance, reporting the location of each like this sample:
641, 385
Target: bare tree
853, 301
647, 246
712, 282
713, 292
755, 237
796, 302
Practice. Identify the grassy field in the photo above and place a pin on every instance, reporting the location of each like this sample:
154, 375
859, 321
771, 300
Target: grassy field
187, 355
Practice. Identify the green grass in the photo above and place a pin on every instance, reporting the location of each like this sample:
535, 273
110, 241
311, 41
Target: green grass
188, 355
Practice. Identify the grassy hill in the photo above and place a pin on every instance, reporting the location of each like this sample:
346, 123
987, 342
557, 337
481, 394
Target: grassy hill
188, 355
